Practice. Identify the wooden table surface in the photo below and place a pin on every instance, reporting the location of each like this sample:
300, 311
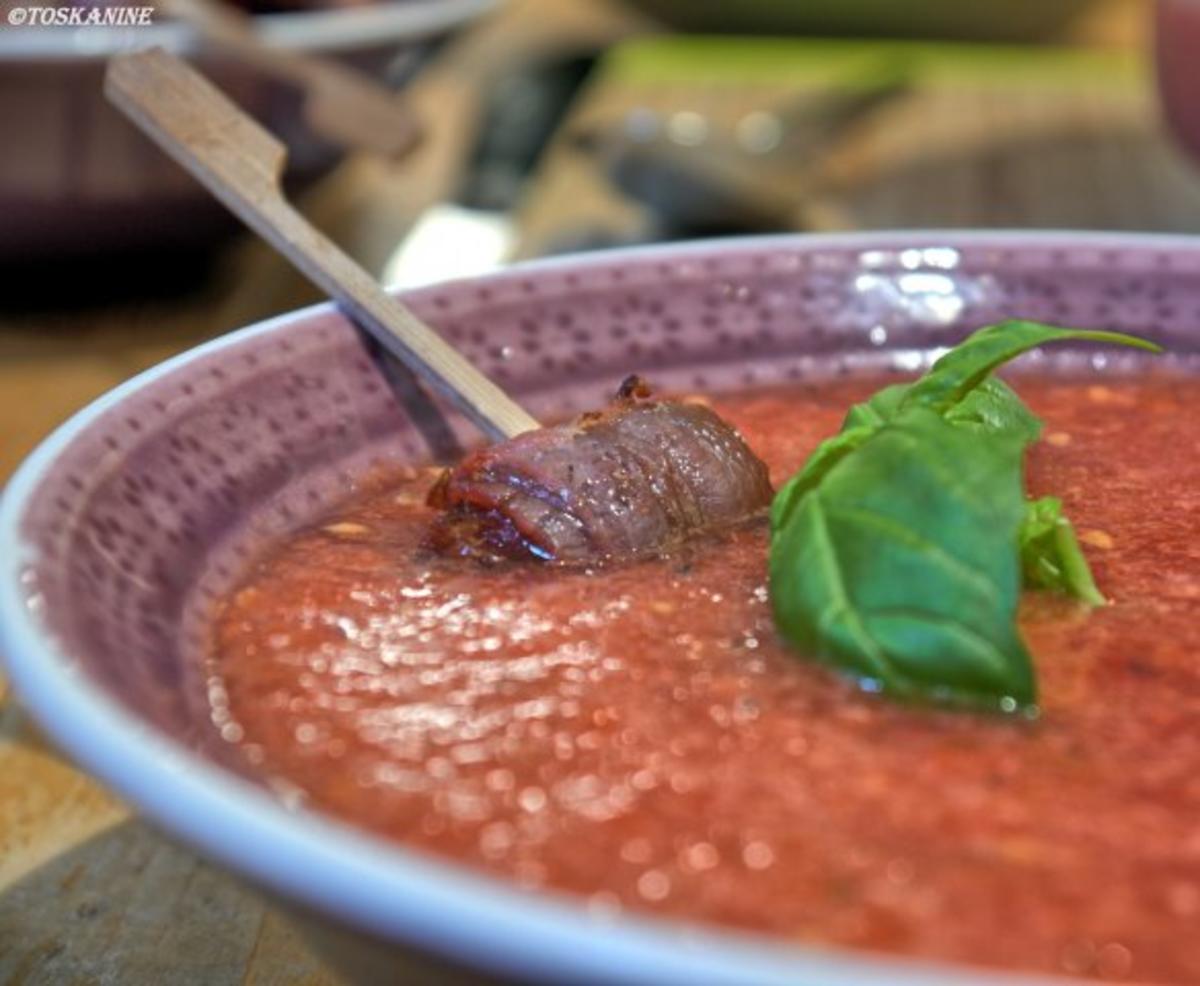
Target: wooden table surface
89, 894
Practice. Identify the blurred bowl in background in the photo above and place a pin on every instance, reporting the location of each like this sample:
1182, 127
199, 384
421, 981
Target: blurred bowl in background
1177, 57
1000, 20
77, 179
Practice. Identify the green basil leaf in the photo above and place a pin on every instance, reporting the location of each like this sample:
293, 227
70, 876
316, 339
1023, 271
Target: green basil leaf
1050, 554
899, 548
899, 565
960, 385
880, 408
966, 366
994, 407
828, 454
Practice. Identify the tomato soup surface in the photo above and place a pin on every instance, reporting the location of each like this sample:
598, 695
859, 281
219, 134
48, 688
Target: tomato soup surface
641, 736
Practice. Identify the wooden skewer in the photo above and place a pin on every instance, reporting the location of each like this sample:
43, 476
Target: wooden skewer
241, 163
340, 104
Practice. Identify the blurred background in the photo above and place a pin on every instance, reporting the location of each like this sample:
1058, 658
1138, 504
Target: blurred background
523, 128
545, 126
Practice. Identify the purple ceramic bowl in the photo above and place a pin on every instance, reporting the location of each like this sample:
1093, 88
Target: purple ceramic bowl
120, 530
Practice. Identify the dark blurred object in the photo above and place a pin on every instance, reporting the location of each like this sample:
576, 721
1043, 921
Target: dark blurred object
1177, 52
686, 135
697, 178
348, 108
177, 273
521, 113
77, 180
473, 232
999, 20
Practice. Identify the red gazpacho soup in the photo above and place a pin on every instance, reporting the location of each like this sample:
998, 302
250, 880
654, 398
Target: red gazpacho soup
641, 736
